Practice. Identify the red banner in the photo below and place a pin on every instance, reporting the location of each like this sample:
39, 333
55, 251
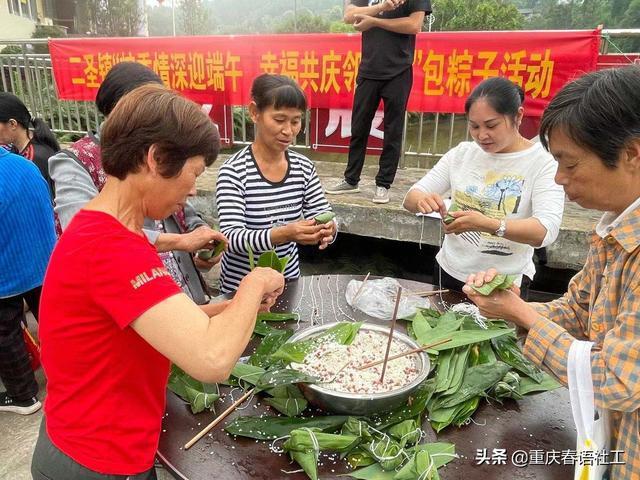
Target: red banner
219, 69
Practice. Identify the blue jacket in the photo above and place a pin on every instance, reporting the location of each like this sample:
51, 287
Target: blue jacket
27, 233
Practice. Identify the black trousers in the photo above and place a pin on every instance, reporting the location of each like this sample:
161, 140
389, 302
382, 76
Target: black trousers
50, 463
15, 365
395, 94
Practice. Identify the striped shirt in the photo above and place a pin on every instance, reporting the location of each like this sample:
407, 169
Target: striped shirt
27, 234
249, 206
602, 305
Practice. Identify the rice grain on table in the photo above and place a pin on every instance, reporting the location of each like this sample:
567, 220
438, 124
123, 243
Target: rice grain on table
329, 357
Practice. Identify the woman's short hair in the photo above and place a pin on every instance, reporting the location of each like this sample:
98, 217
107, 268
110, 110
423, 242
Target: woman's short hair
599, 111
277, 91
120, 80
154, 115
504, 96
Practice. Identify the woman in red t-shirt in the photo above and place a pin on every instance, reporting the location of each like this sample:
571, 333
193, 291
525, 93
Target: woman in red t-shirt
112, 319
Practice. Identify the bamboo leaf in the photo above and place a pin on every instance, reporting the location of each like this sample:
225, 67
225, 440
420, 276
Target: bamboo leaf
499, 282
509, 352
465, 337
200, 396
270, 343
308, 460
270, 428
263, 329
443, 377
441, 452
476, 380
360, 458
527, 385
291, 407
247, 373
343, 333
252, 263
303, 439
282, 376
447, 324
372, 472
421, 327
452, 208
467, 409
285, 391
270, 259
459, 364
414, 408
407, 432
284, 261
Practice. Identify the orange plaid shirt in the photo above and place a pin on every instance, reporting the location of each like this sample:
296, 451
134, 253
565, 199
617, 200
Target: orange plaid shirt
602, 305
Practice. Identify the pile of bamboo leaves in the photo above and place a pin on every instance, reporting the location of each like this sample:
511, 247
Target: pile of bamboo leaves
482, 360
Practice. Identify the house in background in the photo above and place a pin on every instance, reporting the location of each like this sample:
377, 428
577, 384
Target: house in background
20, 17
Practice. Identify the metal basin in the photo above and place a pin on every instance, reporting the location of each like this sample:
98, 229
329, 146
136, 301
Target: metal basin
356, 403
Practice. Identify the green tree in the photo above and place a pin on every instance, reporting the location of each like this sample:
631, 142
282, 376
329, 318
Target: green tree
339, 26
476, 15
572, 14
630, 19
304, 22
113, 18
195, 18
159, 21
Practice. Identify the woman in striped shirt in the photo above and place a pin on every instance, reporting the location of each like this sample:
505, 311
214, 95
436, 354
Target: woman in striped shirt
267, 195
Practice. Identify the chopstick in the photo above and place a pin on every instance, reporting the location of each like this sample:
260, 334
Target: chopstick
221, 417
393, 326
353, 302
404, 354
426, 293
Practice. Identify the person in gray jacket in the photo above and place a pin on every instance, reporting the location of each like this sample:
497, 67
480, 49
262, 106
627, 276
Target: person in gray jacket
78, 177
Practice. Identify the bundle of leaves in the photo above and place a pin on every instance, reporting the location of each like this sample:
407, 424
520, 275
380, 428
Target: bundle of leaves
482, 360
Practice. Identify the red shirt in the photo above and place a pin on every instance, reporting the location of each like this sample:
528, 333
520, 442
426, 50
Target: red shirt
105, 384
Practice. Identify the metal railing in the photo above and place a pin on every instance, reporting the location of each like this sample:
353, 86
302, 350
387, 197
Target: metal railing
30, 76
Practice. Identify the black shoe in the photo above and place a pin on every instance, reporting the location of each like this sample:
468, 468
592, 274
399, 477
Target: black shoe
22, 407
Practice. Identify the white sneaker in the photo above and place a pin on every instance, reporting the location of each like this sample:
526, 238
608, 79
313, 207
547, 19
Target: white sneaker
381, 196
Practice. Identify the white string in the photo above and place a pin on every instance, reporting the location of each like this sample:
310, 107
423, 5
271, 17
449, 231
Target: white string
424, 475
338, 302
296, 310
273, 448
440, 242
314, 440
314, 306
335, 315
471, 420
290, 472
473, 311
247, 402
321, 301
420, 432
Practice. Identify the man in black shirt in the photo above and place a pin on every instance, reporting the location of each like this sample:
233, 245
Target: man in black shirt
389, 29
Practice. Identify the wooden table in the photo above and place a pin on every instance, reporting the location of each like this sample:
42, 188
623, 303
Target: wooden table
538, 423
